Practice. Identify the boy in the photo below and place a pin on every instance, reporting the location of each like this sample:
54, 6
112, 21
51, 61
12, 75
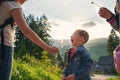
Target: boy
79, 61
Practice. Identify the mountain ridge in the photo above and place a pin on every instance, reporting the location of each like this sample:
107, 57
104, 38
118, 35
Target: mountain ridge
96, 47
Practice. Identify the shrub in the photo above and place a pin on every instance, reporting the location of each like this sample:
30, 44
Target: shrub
29, 68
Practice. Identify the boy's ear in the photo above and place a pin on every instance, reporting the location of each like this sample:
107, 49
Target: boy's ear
82, 38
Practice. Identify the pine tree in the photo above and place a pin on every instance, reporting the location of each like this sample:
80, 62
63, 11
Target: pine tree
113, 41
23, 45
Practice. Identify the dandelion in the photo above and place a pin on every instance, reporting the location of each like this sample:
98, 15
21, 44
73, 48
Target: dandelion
95, 4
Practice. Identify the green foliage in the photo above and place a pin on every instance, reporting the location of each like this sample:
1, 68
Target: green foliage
113, 41
23, 45
29, 68
96, 51
113, 79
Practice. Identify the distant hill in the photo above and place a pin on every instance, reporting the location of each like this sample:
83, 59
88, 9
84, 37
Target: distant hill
96, 47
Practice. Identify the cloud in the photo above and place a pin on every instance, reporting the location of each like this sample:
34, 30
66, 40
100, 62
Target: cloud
72, 10
66, 29
89, 24
68, 15
65, 9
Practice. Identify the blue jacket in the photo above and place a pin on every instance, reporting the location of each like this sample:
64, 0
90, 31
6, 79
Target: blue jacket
79, 65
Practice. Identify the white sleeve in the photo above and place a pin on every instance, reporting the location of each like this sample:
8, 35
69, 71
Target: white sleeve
10, 5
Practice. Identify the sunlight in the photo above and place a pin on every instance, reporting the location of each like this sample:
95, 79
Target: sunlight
64, 29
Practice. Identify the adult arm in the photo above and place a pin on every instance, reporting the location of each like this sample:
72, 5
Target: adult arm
29, 33
110, 17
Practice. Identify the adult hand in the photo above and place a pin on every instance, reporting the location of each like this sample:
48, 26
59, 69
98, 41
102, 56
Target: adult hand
105, 13
53, 49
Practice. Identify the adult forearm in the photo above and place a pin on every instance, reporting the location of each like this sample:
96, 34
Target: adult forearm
30, 34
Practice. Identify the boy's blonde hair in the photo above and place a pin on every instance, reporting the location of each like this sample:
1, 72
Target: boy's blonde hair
84, 34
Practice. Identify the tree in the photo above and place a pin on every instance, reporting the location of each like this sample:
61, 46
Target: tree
41, 27
113, 41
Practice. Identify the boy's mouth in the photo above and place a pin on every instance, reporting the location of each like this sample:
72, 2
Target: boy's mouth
71, 40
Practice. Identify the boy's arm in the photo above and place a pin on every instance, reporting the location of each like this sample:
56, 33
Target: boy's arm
86, 68
65, 71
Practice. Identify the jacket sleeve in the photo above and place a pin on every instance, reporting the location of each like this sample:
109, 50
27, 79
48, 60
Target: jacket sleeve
86, 68
65, 73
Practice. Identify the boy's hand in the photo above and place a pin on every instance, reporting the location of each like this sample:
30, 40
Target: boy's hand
71, 77
64, 78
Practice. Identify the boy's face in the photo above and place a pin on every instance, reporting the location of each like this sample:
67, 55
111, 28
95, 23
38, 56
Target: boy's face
76, 39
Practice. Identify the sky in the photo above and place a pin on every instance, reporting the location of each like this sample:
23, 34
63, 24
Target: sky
66, 16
